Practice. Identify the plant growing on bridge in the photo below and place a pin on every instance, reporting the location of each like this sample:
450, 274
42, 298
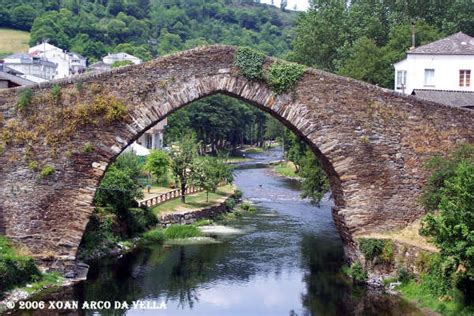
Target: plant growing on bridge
373, 248
25, 98
250, 62
283, 76
56, 93
46, 171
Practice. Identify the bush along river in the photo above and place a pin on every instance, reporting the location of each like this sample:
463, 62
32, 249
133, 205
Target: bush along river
283, 259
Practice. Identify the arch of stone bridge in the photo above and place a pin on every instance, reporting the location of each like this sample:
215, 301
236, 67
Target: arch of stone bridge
372, 143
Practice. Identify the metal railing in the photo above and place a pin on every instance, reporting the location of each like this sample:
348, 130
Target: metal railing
170, 195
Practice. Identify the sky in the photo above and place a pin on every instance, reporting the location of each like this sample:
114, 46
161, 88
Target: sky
301, 4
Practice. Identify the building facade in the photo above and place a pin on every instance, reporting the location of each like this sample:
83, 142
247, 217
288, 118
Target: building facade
68, 63
107, 62
32, 68
153, 138
440, 71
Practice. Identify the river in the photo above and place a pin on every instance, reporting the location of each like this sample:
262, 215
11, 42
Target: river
286, 260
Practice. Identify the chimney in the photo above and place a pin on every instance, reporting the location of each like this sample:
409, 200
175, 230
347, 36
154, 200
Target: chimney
413, 35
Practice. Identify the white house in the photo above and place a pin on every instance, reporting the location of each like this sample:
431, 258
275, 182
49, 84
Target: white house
153, 138
107, 61
69, 64
33, 68
439, 71
111, 58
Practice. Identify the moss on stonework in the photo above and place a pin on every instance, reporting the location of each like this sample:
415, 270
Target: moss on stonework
57, 117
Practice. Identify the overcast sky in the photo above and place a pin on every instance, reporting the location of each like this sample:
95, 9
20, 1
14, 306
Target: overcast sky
301, 4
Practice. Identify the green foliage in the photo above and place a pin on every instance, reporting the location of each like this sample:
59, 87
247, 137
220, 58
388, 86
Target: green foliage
449, 191
181, 231
56, 93
155, 236
139, 220
245, 206
250, 63
46, 171
15, 269
157, 163
237, 194
230, 203
121, 63
315, 183
209, 172
183, 155
283, 77
25, 98
404, 275
356, 272
371, 248
33, 165
88, 148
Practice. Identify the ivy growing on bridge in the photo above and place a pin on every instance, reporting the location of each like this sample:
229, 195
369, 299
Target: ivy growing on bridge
281, 76
250, 63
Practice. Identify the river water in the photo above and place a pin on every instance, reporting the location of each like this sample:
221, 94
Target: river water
286, 260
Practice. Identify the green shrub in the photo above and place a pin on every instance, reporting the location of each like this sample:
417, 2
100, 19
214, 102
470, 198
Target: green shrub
371, 248
15, 270
250, 63
356, 272
230, 203
245, 206
284, 76
154, 236
181, 231
252, 209
46, 171
404, 275
139, 220
237, 194
26, 96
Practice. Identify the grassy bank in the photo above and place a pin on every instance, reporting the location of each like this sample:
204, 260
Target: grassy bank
13, 41
286, 169
17, 269
195, 201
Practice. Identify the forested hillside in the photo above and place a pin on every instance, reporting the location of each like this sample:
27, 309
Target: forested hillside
149, 28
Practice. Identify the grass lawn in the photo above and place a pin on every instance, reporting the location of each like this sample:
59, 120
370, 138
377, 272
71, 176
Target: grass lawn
13, 41
195, 201
286, 169
236, 159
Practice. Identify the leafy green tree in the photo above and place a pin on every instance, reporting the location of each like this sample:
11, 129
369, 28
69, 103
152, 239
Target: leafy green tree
183, 154
315, 183
209, 172
452, 228
157, 163
22, 17
120, 188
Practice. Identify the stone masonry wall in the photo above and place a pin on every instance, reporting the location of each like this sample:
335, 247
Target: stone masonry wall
372, 142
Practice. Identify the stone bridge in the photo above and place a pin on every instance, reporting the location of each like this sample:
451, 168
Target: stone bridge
57, 140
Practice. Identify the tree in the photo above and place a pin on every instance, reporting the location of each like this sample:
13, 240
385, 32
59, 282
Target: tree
315, 183
182, 156
119, 188
157, 163
449, 198
209, 172
22, 17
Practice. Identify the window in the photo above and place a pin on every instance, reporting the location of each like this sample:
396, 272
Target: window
429, 77
464, 78
401, 79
